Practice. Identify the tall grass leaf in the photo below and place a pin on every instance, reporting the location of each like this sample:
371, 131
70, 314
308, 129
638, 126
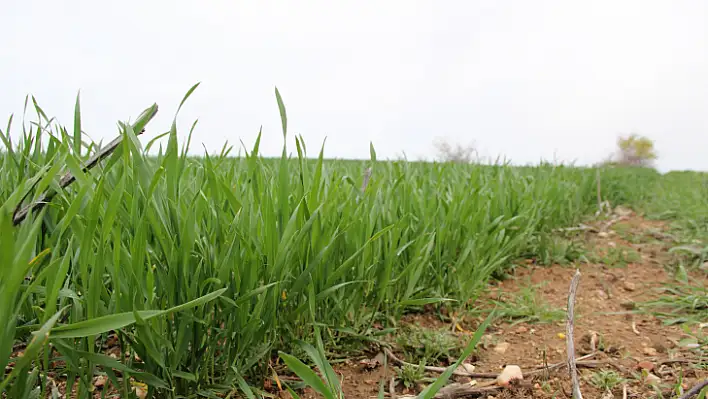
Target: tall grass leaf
306, 374
39, 339
283, 115
423, 301
77, 125
430, 391
186, 96
109, 362
107, 323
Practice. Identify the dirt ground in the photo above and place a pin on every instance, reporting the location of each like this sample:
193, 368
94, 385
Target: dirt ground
634, 353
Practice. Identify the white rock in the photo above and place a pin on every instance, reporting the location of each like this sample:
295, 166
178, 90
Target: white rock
649, 351
510, 372
502, 347
653, 379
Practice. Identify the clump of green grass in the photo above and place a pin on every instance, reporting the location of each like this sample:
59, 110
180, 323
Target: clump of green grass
616, 257
411, 375
429, 345
606, 380
527, 306
629, 234
680, 303
559, 250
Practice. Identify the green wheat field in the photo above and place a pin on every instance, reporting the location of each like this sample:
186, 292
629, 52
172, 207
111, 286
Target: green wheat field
208, 267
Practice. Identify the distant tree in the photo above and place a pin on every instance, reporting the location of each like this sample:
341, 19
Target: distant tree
635, 150
456, 153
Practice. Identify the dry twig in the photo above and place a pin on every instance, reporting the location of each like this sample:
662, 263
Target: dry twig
68, 178
367, 176
578, 362
458, 372
572, 369
695, 390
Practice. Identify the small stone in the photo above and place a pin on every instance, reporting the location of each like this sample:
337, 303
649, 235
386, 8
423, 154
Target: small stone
649, 351
645, 365
502, 347
603, 234
622, 211
510, 372
100, 381
602, 294
652, 379
629, 286
468, 367
522, 330
140, 392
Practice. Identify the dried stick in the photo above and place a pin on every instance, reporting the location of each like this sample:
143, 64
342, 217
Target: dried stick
457, 390
367, 176
599, 191
561, 364
395, 359
572, 368
68, 178
695, 390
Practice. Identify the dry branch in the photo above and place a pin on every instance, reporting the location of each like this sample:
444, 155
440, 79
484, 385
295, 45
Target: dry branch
400, 362
572, 367
367, 176
578, 362
458, 390
695, 390
68, 178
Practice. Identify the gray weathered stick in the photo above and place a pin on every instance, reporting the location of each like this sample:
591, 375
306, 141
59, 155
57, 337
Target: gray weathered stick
572, 367
367, 176
695, 390
68, 178
599, 190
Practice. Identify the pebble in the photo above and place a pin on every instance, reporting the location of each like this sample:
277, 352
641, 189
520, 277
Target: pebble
510, 372
629, 286
652, 379
502, 347
100, 381
645, 365
649, 351
466, 368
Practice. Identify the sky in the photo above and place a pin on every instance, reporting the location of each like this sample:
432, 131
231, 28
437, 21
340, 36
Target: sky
518, 79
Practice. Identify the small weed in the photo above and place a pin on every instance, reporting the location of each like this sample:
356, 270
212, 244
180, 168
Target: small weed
438, 345
411, 375
680, 303
630, 234
616, 256
558, 250
606, 380
527, 306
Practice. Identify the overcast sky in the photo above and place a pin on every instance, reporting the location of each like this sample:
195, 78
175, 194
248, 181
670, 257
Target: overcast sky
527, 80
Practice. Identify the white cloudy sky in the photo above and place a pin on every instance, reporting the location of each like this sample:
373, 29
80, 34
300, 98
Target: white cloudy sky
528, 80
